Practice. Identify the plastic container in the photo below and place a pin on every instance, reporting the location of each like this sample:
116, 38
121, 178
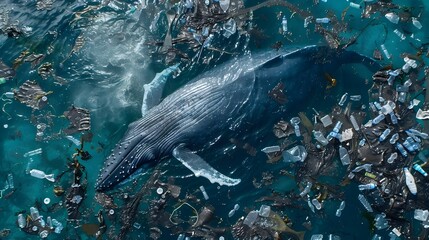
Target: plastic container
203, 190
344, 155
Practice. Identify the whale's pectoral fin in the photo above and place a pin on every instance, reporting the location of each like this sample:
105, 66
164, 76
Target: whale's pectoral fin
201, 168
153, 90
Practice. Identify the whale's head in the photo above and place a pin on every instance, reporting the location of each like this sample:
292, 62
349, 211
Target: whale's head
132, 153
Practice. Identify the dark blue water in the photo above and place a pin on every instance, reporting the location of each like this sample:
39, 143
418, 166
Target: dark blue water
106, 74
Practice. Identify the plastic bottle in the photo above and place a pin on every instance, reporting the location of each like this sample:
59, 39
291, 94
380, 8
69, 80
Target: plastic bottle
10, 180
365, 203
394, 138
310, 204
323, 20
367, 167
231, 213
409, 144
368, 186
58, 226
306, 189
21, 221
203, 190
409, 181
392, 17
316, 203
384, 135
354, 122
401, 149
271, 149
317, 237
34, 213
392, 157
416, 23
355, 5
418, 133
181, 237
344, 155
295, 121
386, 53
284, 24
343, 99
388, 107
42, 175
419, 169
400, 34
49, 222
320, 138
393, 118
355, 98
378, 119
33, 152
340, 209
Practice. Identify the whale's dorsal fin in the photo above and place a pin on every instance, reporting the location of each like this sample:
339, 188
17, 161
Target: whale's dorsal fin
201, 168
153, 90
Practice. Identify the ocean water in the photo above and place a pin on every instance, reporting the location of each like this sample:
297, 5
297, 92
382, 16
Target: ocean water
102, 54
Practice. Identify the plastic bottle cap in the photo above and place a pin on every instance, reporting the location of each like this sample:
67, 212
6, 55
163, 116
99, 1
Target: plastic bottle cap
111, 211
46, 201
5, 126
159, 191
39, 126
44, 98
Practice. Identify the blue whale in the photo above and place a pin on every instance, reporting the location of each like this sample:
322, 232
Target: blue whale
235, 98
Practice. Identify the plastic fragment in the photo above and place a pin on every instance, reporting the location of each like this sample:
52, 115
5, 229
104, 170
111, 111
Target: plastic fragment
320, 138
380, 221
317, 237
422, 114
295, 121
392, 17
323, 20
326, 120
421, 215
306, 189
410, 182
416, 23
295, 154
264, 211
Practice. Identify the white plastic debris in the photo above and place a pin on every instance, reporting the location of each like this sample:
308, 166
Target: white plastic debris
392, 17
346, 135
409, 180
326, 120
422, 114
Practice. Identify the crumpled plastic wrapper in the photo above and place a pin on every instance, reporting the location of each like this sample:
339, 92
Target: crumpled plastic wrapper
32, 95
79, 118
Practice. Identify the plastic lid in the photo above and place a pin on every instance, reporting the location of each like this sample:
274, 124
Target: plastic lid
159, 191
46, 201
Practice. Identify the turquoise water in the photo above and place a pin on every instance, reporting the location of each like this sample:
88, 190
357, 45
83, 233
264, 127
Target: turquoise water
105, 75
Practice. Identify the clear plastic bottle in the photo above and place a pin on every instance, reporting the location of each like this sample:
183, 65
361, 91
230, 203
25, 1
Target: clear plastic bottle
344, 155
394, 138
42, 175
203, 190
392, 157
386, 53
21, 221
316, 204
378, 119
354, 122
34, 213
340, 209
306, 189
320, 138
295, 121
384, 135
365, 203
284, 24
368, 186
343, 99
10, 180
416, 23
400, 34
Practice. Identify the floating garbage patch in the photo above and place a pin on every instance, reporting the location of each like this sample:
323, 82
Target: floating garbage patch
351, 166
